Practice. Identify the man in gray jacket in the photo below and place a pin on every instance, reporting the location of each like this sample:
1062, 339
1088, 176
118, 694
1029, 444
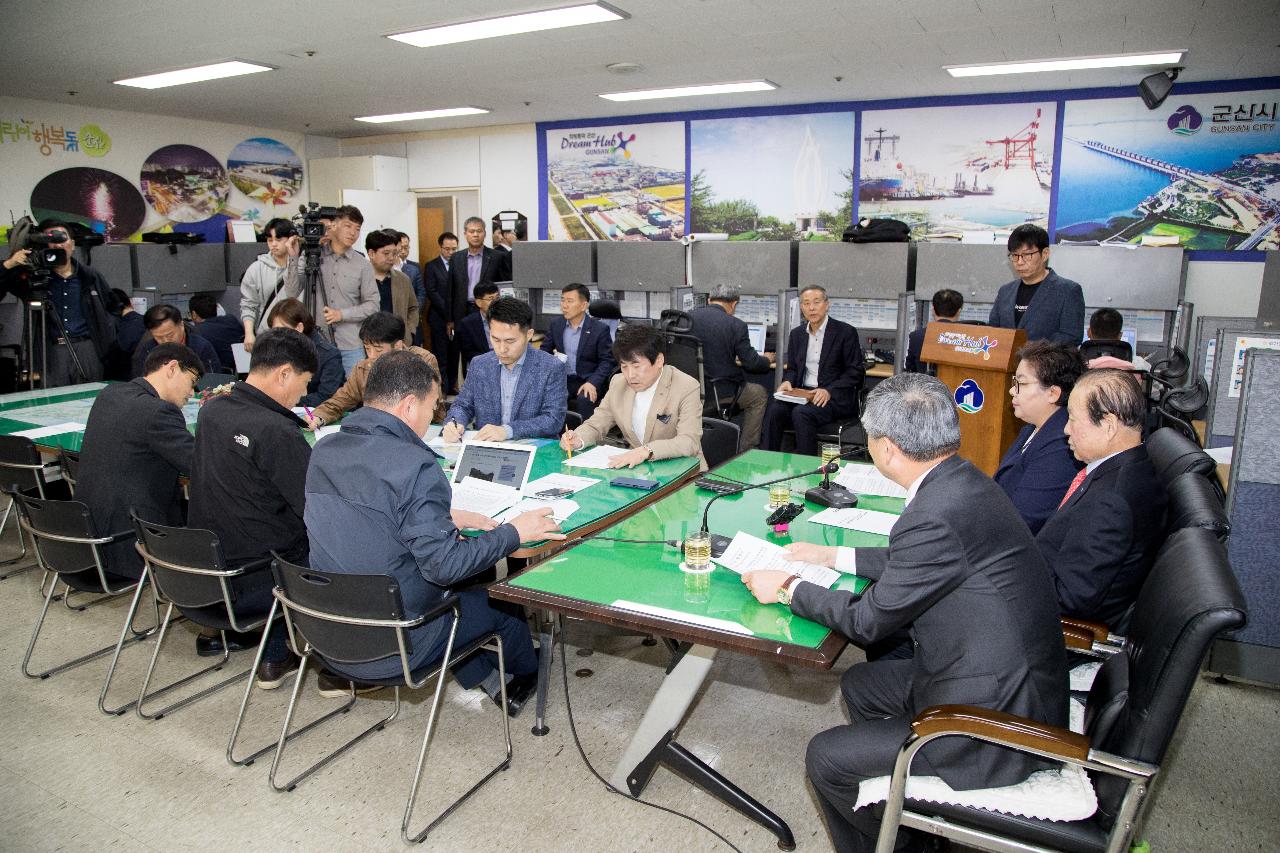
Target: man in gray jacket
263, 283
963, 574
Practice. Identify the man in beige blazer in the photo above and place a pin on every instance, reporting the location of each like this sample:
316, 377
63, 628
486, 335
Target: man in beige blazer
657, 408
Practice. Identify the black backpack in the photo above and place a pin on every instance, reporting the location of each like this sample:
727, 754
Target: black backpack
877, 231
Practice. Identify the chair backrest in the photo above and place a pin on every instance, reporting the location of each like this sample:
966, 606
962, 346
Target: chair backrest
21, 467
675, 320
720, 440
1169, 367
185, 550
572, 419
1173, 454
69, 463
333, 597
1189, 598
1188, 399
47, 519
684, 353
213, 380
1092, 349
1193, 502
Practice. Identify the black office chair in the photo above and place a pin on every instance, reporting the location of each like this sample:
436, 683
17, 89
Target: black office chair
1178, 405
348, 619
1194, 503
720, 441
21, 470
675, 320
69, 465
1170, 367
1172, 454
1133, 709
1092, 349
572, 420
68, 549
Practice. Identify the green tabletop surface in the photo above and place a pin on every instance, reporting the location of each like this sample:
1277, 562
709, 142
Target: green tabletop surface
604, 572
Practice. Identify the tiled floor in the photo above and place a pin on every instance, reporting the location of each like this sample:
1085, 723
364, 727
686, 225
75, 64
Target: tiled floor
73, 779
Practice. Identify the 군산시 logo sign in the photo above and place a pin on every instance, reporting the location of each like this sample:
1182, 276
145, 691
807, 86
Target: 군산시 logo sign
1185, 120
969, 397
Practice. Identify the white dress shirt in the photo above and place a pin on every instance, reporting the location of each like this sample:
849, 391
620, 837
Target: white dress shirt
813, 353
640, 411
847, 558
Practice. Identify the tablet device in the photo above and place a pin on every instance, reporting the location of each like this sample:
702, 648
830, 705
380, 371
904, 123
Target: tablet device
500, 462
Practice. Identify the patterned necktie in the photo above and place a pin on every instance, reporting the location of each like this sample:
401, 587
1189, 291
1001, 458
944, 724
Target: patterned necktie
1075, 484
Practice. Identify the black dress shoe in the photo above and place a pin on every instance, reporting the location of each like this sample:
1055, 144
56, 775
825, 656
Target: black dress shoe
210, 645
519, 689
272, 673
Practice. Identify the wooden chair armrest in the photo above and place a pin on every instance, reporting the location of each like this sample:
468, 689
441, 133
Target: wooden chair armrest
1098, 631
1076, 639
1000, 727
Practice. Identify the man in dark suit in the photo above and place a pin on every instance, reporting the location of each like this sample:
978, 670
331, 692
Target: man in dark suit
472, 331
435, 283
825, 365
586, 347
946, 305
1048, 306
477, 264
222, 331
1104, 537
363, 515
136, 444
727, 355
962, 572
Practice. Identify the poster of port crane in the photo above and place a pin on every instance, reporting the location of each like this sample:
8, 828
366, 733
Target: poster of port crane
964, 172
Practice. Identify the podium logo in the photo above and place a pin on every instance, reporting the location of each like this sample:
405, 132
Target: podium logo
968, 344
969, 397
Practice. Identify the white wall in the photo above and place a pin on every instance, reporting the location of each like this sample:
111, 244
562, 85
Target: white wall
133, 136
1224, 288
502, 162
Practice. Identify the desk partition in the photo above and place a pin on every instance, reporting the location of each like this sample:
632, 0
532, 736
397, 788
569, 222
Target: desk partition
1227, 389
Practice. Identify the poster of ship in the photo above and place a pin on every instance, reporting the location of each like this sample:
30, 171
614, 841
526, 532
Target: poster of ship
964, 172
787, 177
621, 182
1201, 172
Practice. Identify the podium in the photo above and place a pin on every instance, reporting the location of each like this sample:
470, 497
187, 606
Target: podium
977, 363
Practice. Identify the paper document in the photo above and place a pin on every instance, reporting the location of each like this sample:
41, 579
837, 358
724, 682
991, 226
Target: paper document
596, 457
56, 429
866, 480
241, 355
1221, 455
687, 618
476, 495
557, 481
788, 398
560, 510
747, 553
327, 430
438, 442
866, 520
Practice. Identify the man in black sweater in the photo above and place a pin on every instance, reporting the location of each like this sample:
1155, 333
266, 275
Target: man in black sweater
248, 476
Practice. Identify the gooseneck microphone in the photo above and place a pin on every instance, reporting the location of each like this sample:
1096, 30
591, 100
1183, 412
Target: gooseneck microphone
718, 547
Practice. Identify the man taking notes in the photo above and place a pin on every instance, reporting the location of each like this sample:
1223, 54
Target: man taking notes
512, 391
962, 572
657, 408
364, 515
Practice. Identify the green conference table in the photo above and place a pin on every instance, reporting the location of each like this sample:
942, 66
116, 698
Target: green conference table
640, 587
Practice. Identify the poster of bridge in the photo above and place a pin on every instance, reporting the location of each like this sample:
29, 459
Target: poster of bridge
1201, 172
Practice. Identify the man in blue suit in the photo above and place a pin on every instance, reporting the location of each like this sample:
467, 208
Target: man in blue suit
1048, 306
585, 346
512, 391
471, 334
825, 365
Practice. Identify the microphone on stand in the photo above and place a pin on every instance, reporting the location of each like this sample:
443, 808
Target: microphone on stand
720, 543
832, 494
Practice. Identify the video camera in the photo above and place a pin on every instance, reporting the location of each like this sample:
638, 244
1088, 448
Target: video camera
311, 226
46, 252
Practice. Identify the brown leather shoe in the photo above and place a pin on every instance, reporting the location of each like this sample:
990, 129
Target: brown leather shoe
271, 674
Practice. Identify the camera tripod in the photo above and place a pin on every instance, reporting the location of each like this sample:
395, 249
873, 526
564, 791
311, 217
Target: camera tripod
41, 307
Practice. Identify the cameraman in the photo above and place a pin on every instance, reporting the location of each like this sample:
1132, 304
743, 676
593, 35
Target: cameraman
83, 301
347, 292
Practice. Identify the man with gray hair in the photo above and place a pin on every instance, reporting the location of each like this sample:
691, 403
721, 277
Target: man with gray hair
962, 573
727, 358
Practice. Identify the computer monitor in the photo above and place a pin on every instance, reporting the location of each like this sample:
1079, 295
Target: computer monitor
498, 462
756, 333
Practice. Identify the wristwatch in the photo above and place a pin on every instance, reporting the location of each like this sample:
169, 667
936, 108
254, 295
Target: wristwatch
784, 591
648, 452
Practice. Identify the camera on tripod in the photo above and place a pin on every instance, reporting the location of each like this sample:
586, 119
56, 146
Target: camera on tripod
312, 226
46, 254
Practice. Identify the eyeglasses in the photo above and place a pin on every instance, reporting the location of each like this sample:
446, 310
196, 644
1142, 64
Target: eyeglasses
1018, 385
1020, 257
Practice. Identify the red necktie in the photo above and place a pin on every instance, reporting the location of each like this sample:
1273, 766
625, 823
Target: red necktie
1075, 484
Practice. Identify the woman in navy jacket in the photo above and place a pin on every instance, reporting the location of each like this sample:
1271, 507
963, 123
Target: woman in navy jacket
1038, 468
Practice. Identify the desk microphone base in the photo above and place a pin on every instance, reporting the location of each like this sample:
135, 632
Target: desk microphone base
719, 544
834, 495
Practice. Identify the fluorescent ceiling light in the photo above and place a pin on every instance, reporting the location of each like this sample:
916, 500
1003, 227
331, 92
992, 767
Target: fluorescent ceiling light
691, 91
452, 111
509, 25
1119, 60
200, 73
